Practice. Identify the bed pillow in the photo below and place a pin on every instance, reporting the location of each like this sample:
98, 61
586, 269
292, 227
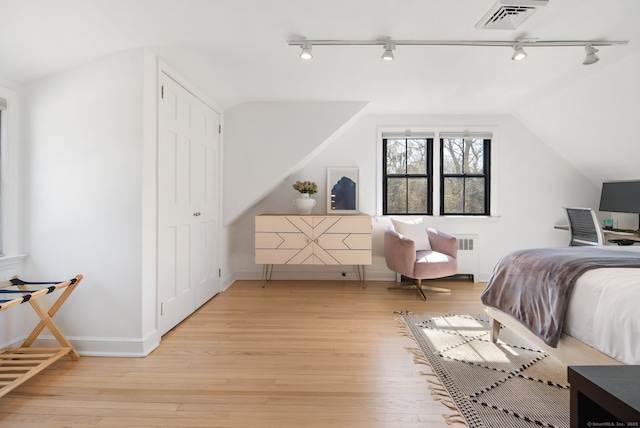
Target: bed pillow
416, 230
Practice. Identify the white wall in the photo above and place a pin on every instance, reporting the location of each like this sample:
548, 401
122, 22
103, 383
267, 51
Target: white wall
84, 131
272, 139
533, 184
13, 322
593, 122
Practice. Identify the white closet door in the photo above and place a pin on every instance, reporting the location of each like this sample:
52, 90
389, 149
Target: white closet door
205, 199
187, 203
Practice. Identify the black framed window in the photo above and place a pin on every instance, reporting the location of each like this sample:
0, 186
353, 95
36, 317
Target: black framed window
407, 176
464, 176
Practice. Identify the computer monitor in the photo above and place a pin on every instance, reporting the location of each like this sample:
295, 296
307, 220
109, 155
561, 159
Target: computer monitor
621, 197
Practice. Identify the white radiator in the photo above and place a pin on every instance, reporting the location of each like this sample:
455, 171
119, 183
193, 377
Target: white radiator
468, 255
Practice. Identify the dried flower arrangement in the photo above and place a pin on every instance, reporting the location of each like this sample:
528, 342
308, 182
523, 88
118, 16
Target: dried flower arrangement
306, 187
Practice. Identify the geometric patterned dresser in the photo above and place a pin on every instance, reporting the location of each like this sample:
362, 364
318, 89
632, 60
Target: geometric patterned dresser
313, 240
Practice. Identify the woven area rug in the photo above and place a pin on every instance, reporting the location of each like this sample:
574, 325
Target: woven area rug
509, 384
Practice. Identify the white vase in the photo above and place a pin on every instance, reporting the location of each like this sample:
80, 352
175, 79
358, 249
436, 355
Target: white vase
304, 203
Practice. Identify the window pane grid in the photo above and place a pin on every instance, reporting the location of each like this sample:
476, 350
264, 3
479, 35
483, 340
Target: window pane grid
407, 170
464, 176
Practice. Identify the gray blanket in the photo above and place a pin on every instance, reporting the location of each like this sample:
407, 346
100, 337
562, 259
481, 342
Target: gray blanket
534, 285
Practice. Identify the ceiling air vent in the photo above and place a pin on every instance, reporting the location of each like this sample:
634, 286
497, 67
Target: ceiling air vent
509, 14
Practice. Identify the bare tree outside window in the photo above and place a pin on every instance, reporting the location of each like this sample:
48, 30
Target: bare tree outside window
407, 175
464, 176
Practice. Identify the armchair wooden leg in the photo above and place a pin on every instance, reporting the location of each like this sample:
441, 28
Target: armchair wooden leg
413, 286
441, 290
419, 287
430, 288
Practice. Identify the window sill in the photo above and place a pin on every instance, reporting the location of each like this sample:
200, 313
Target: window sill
461, 217
445, 220
11, 261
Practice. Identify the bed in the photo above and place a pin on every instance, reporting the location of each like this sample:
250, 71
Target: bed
590, 315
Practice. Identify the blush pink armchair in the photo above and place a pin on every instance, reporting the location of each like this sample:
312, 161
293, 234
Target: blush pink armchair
440, 261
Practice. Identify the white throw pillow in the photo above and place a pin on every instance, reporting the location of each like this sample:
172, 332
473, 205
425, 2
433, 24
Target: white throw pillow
415, 230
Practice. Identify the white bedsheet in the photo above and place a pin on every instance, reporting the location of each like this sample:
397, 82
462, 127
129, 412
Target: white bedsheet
604, 311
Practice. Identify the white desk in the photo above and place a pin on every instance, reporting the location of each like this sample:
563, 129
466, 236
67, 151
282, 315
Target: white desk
610, 234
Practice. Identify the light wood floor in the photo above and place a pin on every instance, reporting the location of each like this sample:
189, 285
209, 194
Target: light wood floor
294, 354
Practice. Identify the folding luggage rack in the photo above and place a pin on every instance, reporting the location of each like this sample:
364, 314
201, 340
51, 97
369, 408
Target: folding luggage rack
17, 365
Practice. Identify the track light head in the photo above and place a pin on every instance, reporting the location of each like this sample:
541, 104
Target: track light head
306, 51
518, 52
591, 57
388, 51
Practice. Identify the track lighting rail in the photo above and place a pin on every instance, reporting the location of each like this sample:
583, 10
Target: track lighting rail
389, 45
508, 43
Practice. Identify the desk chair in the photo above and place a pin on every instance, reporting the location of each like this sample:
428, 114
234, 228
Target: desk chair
584, 227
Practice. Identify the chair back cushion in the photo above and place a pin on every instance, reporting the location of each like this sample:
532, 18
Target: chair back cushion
584, 227
416, 230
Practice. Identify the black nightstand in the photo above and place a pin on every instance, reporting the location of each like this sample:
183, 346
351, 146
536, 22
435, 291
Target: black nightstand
604, 396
